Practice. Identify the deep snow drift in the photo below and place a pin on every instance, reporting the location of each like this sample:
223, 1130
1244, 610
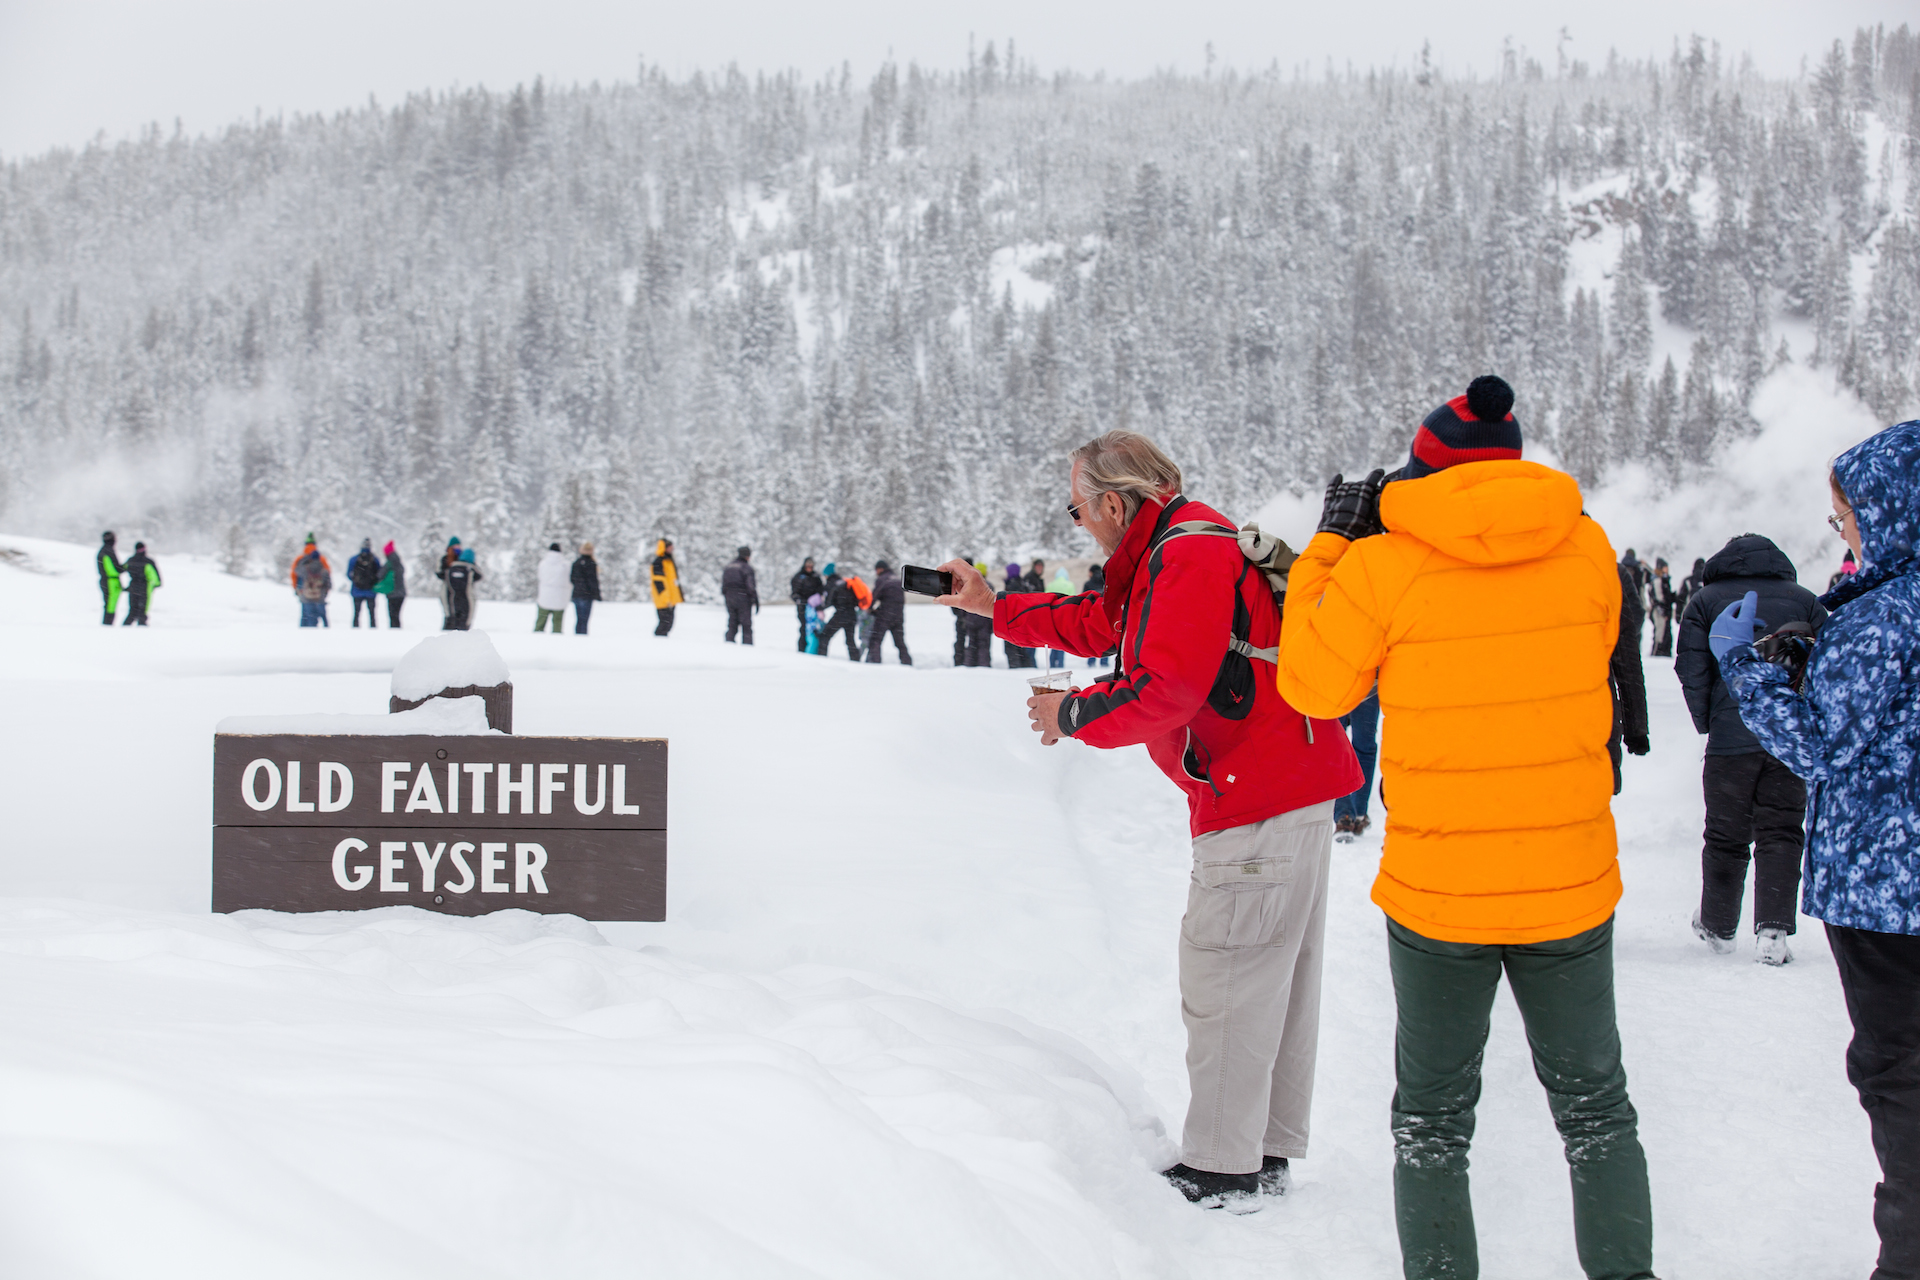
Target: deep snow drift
913, 1012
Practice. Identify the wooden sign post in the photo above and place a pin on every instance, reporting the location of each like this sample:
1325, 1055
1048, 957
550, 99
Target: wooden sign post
464, 824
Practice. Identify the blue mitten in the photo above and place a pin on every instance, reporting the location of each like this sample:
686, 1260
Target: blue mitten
1736, 625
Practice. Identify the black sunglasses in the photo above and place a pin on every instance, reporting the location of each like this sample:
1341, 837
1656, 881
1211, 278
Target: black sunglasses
1073, 510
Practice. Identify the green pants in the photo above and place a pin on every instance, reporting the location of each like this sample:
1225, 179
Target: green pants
540, 619
1444, 992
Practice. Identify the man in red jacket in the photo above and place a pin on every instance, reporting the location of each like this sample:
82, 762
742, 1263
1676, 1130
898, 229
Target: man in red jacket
1196, 626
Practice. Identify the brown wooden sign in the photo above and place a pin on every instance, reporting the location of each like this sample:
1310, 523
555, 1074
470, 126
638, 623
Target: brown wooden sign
461, 824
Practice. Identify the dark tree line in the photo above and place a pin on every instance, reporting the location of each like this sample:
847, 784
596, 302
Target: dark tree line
859, 321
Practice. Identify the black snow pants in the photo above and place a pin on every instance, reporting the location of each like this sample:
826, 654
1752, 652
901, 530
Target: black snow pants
136, 609
372, 603
885, 625
739, 619
393, 611
1755, 811
800, 611
665, 620
843, 620
979, 641
459, 610
1879, 974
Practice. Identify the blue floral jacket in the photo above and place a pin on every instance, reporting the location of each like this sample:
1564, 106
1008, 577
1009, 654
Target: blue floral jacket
1854, 731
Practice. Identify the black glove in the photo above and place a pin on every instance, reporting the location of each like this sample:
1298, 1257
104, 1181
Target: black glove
1637, 744
1353, 507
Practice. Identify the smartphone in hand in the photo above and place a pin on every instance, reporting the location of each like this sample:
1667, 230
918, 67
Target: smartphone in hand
926, 582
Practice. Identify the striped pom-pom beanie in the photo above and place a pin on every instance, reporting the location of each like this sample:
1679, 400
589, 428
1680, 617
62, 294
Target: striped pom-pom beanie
1476, 427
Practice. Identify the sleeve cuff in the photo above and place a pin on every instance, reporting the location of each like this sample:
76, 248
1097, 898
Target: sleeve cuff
1070, 711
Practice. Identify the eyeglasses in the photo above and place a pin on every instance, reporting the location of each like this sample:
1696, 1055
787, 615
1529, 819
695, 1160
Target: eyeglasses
1838, 521
1074, 509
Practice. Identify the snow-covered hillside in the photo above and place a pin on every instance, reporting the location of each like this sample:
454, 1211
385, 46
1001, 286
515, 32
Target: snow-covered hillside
913, 1012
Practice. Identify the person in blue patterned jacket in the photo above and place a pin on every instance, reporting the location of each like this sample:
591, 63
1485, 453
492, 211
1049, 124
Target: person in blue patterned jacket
1853, 733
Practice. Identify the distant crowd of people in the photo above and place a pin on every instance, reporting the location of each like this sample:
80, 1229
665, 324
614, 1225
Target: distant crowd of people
371, 577
1655, 599
865, 613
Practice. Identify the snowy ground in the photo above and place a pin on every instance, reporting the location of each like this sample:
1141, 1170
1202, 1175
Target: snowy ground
913, 1013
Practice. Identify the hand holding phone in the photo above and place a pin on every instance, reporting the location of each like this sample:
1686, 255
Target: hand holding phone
970, 591
926, 582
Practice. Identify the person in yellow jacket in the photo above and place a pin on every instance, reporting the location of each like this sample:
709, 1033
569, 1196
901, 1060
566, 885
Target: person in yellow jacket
666, 586
1486, 606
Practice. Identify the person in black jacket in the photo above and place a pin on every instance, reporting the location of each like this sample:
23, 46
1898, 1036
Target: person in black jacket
1018, 656
1097, 581
143, 575
363, 575
585, 577
742, 594
1756, 807
1637, 574
889, 614
846, 615
979, 632
460, 575
962, 633
972, 634
1689, 587
801, 586
1627, 678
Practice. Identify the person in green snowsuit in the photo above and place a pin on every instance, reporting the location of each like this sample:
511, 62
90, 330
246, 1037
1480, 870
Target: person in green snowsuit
143, 579
110, 573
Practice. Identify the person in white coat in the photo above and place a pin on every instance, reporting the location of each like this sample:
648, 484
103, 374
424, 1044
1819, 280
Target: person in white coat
554, 588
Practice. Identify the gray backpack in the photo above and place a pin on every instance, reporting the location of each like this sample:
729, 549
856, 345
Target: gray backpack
1233, 688
314, 580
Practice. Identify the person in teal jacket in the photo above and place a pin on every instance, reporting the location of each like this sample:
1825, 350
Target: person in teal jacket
111, 571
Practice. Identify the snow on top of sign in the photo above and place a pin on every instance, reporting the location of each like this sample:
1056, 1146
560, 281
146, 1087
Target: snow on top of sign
451, 660
440, 716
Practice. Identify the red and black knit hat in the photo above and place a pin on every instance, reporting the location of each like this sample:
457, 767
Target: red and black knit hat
1476, 427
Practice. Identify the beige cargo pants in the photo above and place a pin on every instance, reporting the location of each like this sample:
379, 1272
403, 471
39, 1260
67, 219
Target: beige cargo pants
1250, 953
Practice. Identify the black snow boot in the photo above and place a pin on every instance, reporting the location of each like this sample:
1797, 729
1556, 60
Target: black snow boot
1273, 1175
1234, 1192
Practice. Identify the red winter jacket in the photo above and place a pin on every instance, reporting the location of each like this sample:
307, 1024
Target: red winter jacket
1172, 615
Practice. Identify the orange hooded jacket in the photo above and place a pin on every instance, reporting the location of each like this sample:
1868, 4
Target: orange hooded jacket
1488, 615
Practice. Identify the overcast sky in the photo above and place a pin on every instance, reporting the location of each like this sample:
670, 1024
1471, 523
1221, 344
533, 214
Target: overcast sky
72, 68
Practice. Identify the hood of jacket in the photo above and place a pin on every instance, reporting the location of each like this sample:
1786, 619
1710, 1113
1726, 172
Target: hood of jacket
1749, 556
660, 547
1881, 476
1486, 513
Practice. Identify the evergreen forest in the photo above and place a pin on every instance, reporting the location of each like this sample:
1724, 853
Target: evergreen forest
855, 319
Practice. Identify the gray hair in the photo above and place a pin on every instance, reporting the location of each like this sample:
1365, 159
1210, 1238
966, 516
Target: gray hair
1129, 464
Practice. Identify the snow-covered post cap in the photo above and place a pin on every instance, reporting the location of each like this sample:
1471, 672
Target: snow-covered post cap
455, 664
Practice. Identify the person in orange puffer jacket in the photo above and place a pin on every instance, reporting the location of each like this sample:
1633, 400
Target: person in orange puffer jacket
1486, 605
